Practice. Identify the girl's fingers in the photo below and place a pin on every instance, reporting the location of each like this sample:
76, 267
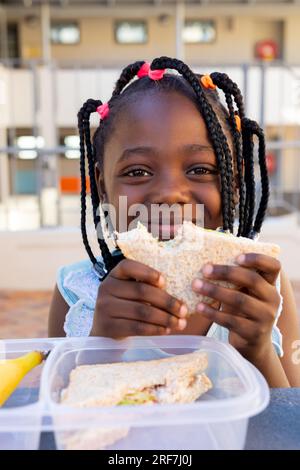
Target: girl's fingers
241, 277
268, 267
242, 326
242, 304
142, 292
129, 269
144, 313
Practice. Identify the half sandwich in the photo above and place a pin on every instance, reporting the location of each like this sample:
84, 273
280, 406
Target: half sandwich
181, 259
176, 379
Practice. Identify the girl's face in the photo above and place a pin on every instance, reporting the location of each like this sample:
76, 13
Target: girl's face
160, 153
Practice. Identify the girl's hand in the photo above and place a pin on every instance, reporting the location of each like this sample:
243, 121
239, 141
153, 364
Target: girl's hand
249, 310
131, 302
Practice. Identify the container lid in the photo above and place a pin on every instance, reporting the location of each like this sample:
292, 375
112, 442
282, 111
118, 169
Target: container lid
239, 389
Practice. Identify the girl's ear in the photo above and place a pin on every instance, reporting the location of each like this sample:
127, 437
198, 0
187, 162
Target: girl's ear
100, 183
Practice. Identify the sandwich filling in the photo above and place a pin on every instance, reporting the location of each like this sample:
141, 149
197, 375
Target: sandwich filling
142, 397
177, 379
155, 394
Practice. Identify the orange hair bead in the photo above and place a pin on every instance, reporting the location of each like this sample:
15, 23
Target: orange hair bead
238, 122
207, 82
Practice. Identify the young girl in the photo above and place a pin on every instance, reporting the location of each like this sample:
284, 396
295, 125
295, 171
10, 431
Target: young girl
165, 138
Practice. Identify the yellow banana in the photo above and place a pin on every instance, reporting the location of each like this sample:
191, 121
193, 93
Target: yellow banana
12, 371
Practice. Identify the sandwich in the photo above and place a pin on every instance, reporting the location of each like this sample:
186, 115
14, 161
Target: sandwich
176, 379
181, 259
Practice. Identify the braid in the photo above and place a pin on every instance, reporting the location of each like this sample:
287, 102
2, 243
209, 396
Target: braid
231, 89
239, 162
83, 188
249, 128
239, 159
265, 190
254, 129
89, 107
248, 150
215, 131
127, 74
225, 83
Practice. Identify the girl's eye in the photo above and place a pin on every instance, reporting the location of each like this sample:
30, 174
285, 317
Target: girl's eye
137, 172
200, 170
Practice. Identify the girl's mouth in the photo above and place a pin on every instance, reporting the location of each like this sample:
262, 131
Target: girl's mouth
164, 232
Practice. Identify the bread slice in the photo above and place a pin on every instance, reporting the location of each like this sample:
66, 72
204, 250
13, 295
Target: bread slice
180, 260
176, 379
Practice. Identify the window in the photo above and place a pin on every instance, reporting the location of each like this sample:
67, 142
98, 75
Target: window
131, 32
29, 142
199, 32
65, 33
13, 41
73, 142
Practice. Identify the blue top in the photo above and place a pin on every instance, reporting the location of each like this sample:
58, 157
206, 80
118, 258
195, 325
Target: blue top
78, 283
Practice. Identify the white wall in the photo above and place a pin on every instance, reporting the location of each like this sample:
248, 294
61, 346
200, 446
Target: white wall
16, 100
30, 260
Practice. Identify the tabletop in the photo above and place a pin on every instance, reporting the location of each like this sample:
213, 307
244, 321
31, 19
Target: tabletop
276, 428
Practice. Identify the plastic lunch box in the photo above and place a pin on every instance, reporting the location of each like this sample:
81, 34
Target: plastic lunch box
218, 420
21, 416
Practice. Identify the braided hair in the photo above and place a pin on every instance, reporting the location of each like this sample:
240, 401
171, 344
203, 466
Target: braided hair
236, 164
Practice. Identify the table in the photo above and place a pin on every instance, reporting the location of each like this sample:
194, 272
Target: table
278, 427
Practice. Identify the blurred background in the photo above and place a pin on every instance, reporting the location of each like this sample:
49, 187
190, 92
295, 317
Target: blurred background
56, 54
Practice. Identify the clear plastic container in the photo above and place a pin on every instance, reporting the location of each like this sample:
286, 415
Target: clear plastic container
21, 415
218, 420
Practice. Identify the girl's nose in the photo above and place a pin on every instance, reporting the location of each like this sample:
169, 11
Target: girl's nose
172, 189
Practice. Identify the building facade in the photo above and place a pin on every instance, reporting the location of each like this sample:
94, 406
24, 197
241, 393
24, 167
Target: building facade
56, 54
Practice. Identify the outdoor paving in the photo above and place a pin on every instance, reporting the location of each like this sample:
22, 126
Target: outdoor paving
25, 314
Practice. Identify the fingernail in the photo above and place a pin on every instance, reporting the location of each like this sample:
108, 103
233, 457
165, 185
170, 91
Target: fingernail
168, 331
182, 324
198, 284
241, 259
208, 269
200, 307
161, 281
183, 310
